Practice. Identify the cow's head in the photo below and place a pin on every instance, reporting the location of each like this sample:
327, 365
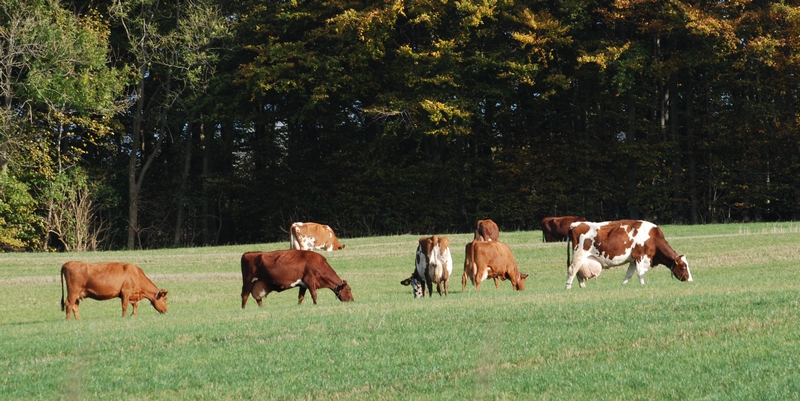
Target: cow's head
416, 285
681, 269
343, 292
160, 301
521, 281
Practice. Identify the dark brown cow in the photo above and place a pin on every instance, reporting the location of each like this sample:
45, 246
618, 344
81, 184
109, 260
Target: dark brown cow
102, 281
485, 259
487, 230
281, 270
310, 236
598, 246
556, 229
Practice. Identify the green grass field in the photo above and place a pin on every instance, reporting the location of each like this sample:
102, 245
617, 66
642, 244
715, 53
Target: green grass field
733, 333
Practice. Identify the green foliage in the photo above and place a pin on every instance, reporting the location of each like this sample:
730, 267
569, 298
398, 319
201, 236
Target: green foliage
241, 117
19, 224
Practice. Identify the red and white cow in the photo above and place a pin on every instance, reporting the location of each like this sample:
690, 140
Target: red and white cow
487, 230
491, 259
556, 229
310, 236
434, 264
264, 272
598, 246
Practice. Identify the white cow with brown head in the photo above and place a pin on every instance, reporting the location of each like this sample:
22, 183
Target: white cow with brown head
433, 264
598, 246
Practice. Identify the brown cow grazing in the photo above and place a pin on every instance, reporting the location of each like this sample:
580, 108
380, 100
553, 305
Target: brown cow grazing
102, 281
487, 230
556, 229
310, 236
264, 272
433, 264
491, 259
598, 246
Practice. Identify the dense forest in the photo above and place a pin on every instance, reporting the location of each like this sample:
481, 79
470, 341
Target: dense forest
131, 124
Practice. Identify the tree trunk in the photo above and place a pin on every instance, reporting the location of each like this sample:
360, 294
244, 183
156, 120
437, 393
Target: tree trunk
694, 214
181, 197
133, 159
204, 212
630, 137
677, 173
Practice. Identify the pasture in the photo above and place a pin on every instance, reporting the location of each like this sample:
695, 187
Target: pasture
734, 333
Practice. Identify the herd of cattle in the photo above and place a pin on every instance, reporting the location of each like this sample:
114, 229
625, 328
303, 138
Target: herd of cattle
594, 247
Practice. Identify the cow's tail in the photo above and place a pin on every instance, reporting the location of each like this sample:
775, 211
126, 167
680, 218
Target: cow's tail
62, 290
293, 242
569, 247
473, 264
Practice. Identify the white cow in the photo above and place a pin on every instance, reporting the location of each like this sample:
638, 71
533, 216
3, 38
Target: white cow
433, 264
598, 246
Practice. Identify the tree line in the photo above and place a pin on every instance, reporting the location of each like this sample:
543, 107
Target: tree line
154, 123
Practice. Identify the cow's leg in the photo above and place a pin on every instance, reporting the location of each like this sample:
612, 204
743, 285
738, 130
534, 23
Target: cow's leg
247, 289
464, 281
313, 291
497, 282
75, 309
429, 284
135, 307
125, 302
572, 271
581, 281
642, 267
71, 306
629, 274
245, 295
303, 295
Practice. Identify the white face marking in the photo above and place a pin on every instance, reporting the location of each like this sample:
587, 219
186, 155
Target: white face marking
683, 258
254, 280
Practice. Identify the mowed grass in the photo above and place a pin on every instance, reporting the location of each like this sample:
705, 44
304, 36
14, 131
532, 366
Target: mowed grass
731, 334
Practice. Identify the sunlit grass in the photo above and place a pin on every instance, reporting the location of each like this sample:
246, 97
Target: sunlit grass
729, 335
